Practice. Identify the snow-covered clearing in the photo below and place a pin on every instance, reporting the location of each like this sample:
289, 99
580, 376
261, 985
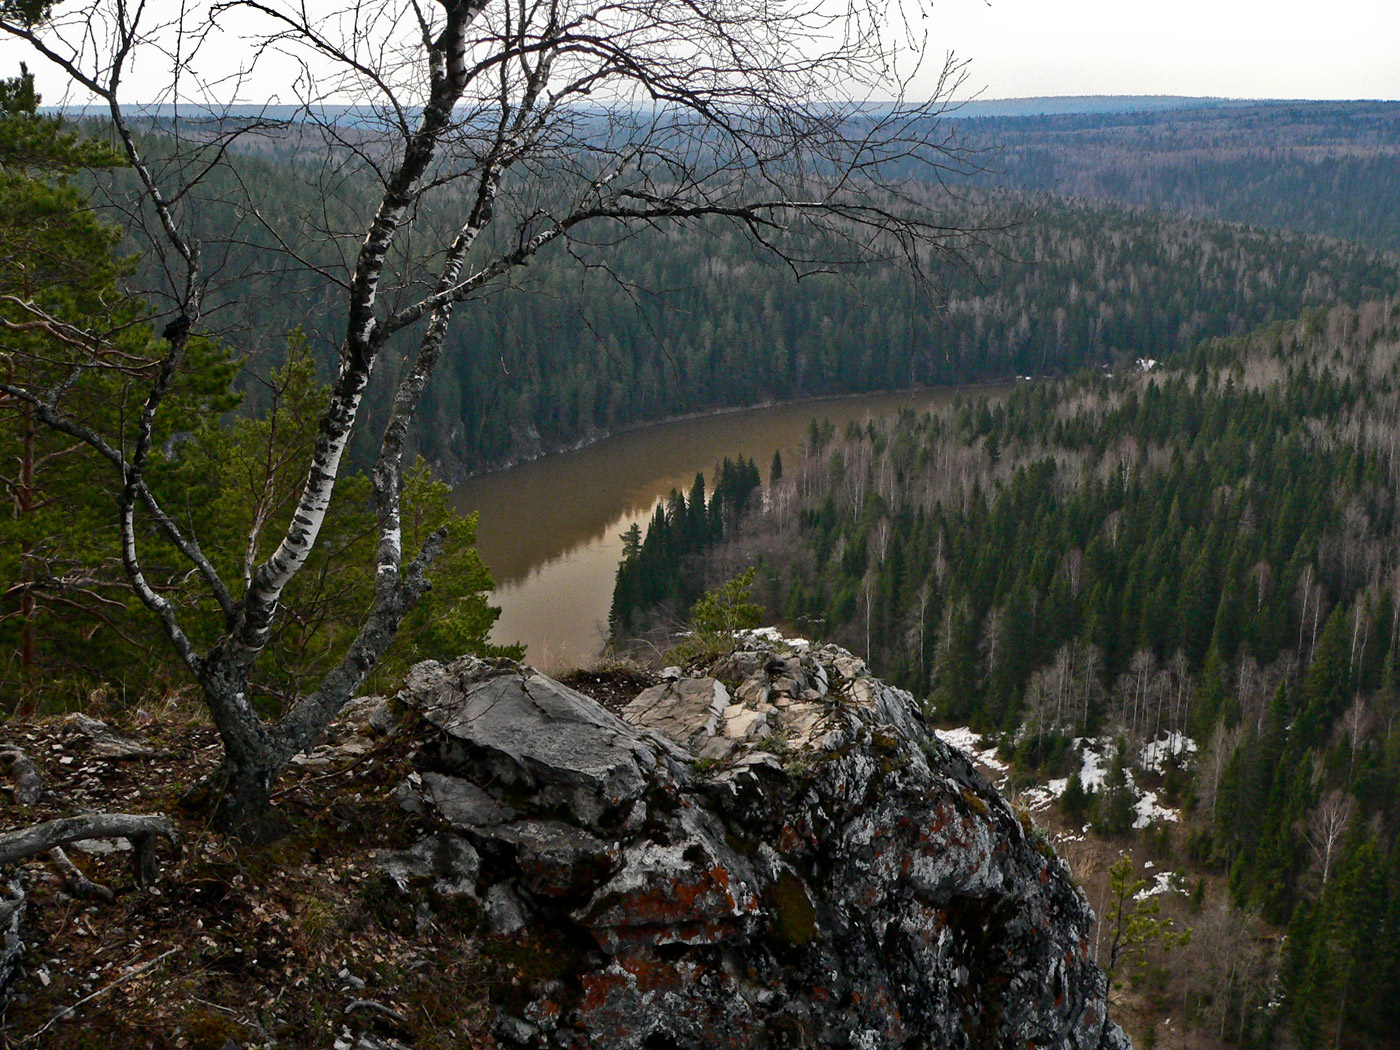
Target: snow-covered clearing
970, 743
1096, 759
1154, 756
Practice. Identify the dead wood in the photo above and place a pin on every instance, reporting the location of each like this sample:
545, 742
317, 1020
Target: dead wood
140, 828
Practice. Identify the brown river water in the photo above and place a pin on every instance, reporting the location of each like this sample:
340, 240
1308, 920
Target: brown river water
551, 530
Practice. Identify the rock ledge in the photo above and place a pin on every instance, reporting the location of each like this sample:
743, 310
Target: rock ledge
777, 853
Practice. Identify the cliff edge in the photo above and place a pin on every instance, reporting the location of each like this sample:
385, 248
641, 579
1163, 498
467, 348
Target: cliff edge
771, 851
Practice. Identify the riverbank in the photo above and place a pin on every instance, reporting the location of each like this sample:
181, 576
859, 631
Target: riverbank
550, 529
455, 477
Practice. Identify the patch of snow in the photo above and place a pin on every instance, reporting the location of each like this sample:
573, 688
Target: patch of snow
1154, 756
969, 743
1097, 757
1037, 799
1147, 811
1162, 882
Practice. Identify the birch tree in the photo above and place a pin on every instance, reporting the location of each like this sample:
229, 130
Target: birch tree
1324, 827
491, 131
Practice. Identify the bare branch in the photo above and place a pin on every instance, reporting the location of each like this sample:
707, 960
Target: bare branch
17, 845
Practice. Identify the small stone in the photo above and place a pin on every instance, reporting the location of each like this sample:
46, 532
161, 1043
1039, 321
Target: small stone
449, 860
744, 724
754, 691
504, 912
411, 797
718, 749
351, 981
515, 1031
510, 725
687, 710
760, 760
104, 741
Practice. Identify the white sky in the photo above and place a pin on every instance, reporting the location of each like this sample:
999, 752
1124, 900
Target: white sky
1022, 48
1232, 48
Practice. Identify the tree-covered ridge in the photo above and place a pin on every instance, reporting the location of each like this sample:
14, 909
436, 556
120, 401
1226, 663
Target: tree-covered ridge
1330, 168
1083, 284
695, 319
1208, 547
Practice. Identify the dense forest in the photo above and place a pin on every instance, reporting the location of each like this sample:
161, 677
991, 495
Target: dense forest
1206, 547
1326, 168
1096, 238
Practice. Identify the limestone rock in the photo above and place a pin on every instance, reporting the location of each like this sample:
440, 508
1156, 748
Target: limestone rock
516, 727
104, 741
504, 912
832, 876
463, 804
363, 716
447, 861
688, 710
552, 858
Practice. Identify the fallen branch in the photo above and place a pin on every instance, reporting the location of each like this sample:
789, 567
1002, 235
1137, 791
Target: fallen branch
29, 785
79, 885
384, 1011
142, 829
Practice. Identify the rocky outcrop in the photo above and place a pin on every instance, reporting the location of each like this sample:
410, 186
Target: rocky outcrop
774, 853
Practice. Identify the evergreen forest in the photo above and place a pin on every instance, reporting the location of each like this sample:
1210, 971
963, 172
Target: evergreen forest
1178, 531
1201, 550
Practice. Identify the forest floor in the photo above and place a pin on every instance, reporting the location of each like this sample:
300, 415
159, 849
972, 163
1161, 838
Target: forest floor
1159, 859
298, 943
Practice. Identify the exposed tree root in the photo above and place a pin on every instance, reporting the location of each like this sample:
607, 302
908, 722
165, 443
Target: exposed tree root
140, 828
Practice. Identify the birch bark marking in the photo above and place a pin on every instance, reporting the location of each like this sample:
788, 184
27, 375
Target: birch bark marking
361, 347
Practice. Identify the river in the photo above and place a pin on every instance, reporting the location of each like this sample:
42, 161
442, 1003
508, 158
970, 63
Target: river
551, 530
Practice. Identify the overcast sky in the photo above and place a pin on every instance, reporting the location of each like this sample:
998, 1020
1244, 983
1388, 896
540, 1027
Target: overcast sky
1021, 48
1233, 48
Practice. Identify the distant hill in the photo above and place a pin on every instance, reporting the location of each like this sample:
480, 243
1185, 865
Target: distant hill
1050, 105
1329, 168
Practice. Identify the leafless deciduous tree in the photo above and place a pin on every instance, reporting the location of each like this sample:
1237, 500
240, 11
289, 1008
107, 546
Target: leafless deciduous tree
1324, 827
1225, 974
491, 130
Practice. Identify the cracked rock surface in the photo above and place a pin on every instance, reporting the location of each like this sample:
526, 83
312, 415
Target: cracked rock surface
776, 853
